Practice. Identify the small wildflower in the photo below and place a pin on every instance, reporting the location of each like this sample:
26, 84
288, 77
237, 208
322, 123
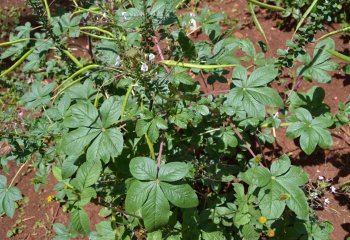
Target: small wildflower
124, 15
333, 189
326, 201
262, 220
118, 61
151, 58
313, 195
320, 178
104, 15
211, 162
50, 198
271, 233
193, 25
144, 67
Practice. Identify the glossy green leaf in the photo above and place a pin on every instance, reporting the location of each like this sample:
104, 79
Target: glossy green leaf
156, 210
80, 221
181, 195
143, 168
173, 171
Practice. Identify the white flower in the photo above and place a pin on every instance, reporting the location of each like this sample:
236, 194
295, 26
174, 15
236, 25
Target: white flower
104, 15
151, 57
320, 178
124, 15
333, 189
326, 201
211, 162
193, 25
118, 61
20, 114
313, 195
144, 67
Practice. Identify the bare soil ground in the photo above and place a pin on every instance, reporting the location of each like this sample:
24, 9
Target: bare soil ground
38, 215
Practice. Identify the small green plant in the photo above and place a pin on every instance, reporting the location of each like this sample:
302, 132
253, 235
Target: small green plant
127, 126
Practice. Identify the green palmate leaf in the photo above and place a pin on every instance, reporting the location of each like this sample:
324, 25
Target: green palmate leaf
105, 231
156, 210
186, 45
181, 195
39, 95
94, 129
257, 176
107, 53
261, 76
61, 232
87, 175
317, 68
137, 195
279, 188
84, 114
80, 221
249, 233
173, 171
109, 143
68, 167
270, 204
8, 197
312, 131
229, 138
110, 111
75, 141
251, 93
143, 168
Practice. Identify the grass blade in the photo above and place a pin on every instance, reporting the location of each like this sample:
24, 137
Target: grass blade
16, 64
267, 6
256, 21
193, 65
305, 15
334, 33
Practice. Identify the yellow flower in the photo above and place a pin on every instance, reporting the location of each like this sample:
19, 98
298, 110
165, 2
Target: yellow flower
271, 233
262, 220
50, 198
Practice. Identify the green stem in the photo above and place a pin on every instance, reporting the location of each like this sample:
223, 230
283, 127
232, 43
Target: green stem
267, 6
192, 65
47, 9
150, 146
125, 102
13, 42
267, 125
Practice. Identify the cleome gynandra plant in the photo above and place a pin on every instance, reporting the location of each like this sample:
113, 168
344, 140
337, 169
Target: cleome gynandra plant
130, 120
